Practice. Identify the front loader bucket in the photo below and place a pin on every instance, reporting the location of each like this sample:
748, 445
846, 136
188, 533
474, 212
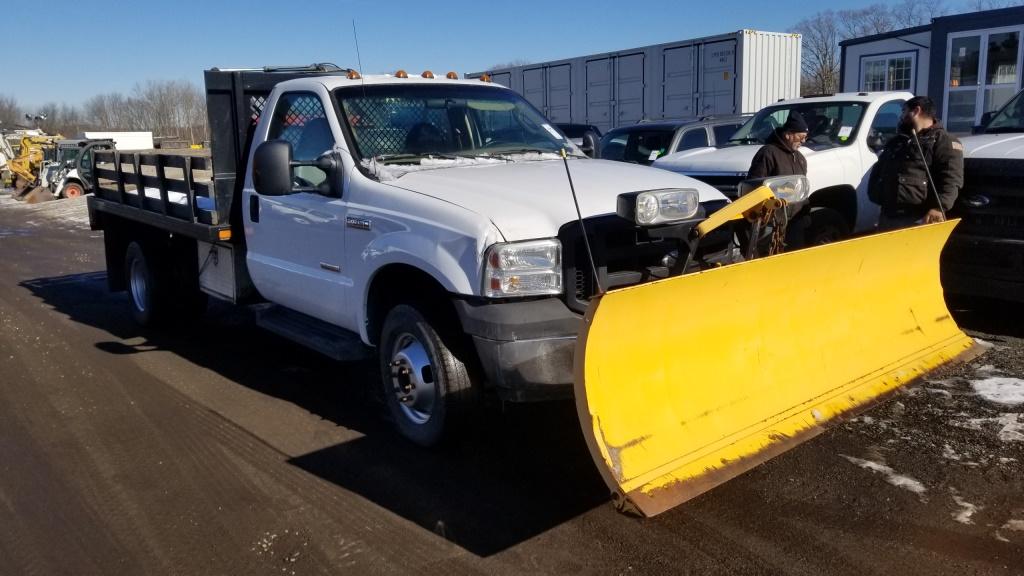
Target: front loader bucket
684, 383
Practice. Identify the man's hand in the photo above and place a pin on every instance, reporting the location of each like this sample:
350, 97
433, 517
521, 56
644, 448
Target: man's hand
933, 216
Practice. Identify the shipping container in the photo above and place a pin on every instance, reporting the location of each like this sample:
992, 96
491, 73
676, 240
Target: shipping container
734, 73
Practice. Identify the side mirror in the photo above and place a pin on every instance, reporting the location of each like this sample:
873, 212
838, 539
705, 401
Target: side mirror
272, 168
875, 141
985, 119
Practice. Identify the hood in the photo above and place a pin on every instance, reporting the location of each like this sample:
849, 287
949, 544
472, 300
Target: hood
731, 159
994, 146
528, 200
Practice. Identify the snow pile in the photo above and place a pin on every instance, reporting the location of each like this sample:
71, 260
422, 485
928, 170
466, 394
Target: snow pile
1000, 389
966, 510
388, 172
898, 480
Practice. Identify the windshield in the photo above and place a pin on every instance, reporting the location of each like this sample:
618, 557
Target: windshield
1010, 118
830, 124
408, 123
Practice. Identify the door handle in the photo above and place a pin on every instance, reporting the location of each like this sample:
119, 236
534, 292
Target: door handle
254, 208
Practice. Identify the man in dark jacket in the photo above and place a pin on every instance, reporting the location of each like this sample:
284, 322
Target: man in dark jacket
780, 156
899, 180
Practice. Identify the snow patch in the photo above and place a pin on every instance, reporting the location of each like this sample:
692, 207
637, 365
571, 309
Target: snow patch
388, 172
1012, 429
1014, 525
984, 343
987, 369
966, 510
1000, 390
948, 453
898, 480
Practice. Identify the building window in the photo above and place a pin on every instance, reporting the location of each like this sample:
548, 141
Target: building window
888, 72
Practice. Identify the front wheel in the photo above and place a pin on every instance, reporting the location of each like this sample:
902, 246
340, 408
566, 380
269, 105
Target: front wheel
72, 190
426, 385
826, 226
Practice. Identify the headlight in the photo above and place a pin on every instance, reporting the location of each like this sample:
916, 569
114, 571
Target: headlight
659, 206
529, 268
792, 189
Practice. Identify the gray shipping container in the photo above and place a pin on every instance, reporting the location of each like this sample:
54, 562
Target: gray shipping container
733, 73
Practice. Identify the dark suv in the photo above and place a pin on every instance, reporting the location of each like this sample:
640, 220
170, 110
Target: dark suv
644, 142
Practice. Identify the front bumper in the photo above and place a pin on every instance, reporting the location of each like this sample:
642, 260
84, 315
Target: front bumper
984, 266
526, 348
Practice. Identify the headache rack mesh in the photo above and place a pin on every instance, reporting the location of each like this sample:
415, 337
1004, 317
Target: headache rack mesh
387, 125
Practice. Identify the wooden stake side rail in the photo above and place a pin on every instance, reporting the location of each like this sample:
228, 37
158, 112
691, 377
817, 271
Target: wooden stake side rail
170, 192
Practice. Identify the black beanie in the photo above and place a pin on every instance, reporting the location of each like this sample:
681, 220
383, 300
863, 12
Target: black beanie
795, 123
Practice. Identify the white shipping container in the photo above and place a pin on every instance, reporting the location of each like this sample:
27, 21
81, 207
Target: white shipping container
720, 75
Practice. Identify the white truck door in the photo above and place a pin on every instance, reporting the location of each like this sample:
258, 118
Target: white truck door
296, 243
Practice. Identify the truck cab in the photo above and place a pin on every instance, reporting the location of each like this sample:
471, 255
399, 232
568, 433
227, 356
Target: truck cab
427, 220
846, 132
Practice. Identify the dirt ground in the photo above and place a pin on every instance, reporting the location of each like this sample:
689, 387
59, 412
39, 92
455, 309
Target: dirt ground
226, 450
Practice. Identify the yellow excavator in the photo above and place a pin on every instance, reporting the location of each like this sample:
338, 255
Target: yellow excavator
673, 408
27, 165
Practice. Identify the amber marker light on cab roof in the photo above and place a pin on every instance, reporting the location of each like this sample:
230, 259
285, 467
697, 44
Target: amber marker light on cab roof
427, 74
401, 74
451, 76
485, 77
353, 75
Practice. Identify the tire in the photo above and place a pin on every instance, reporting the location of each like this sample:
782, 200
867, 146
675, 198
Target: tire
826, 226
147, 288
72, 190
428, 389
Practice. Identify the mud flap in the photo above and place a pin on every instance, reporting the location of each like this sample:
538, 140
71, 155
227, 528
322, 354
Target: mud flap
685, 383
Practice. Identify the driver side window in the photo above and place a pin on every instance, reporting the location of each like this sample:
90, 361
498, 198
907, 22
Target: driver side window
300, 120
884, 126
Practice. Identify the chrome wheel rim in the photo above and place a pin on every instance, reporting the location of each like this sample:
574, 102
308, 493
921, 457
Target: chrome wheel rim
137, 284
412, 379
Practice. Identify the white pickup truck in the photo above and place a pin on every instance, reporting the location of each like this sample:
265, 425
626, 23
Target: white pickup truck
427, 217
846, 133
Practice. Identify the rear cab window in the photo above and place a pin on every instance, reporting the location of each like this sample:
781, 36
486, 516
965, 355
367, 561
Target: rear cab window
641, 146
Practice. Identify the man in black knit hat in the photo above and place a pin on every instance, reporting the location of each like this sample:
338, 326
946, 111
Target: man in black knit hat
779, 156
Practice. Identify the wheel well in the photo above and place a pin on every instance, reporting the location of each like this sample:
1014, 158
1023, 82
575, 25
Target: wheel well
178, 253
400, 283
842, 199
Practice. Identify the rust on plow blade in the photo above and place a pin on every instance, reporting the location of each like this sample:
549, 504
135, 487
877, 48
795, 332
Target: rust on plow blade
684, 383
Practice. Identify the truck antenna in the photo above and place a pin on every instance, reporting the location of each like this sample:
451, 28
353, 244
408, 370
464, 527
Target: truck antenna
359, 59
583, 229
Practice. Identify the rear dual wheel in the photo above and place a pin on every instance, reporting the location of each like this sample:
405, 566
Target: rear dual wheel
157, 291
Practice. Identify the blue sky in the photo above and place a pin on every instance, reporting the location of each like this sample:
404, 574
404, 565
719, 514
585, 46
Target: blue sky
104, 46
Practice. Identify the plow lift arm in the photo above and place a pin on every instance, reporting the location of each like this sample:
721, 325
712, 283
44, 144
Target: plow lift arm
684, 383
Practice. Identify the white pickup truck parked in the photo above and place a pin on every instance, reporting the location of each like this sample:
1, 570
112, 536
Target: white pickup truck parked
846, 132
430, 218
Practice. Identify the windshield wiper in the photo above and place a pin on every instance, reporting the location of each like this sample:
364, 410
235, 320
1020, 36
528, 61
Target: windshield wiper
514, 151
747, 140
400, 157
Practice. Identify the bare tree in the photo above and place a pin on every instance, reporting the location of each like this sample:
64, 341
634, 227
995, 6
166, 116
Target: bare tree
511, 64
10, 112
823, 31
820, 65
980, 5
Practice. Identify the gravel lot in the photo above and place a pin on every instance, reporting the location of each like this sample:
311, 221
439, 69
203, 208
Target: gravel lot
225, 450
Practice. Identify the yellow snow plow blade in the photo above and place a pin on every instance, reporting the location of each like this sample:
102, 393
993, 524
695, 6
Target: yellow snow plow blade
684, 383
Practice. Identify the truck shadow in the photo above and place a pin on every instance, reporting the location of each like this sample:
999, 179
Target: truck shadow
518, 472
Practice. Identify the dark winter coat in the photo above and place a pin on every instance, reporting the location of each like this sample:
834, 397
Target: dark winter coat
777, 159
899, 182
